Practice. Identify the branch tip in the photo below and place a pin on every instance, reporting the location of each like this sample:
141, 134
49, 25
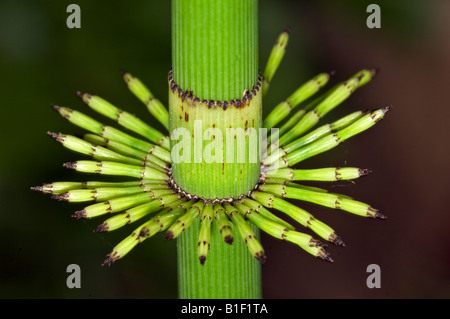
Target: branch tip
71, 165
378, 215
79, 94
387, 109
37, 188
287, 29
62, 197
364, 172
261, 256
374, 71
325, 256
108, 261
169, 235
335, 239
79, 214
101, 228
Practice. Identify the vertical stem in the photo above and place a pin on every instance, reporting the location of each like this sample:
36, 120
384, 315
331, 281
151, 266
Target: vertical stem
230, 272
215, 54
215, 47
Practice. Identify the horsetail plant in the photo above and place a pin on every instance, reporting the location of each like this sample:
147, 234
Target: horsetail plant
208, 194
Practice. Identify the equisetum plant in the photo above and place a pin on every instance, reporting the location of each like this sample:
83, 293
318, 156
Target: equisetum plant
220, 173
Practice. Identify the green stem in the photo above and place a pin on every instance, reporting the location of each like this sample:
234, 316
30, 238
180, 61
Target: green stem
215, 47
215, 54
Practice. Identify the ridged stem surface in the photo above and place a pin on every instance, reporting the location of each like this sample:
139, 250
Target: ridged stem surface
215, 47
215, 54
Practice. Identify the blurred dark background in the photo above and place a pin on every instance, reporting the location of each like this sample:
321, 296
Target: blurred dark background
44, 62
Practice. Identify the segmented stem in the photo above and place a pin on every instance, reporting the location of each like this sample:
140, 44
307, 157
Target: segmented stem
215, 83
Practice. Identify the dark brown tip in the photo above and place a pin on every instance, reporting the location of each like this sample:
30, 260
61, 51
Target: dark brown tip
375, 71
71, 165
387, 109
56, 107
108, 261
62, 197
57, 136
380, 216
331, 73
335, 239
287, 29
328, 258
364, 172
37, 188
202, 260
79, 214
229, 239
375, 213
101, 228
169, 235
325, 256
261, 256
54, 135
316, 243
123, 72
79, 94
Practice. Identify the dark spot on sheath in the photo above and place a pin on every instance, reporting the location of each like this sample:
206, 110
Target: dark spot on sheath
186, 116
145, 232
228, 239
246, 124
